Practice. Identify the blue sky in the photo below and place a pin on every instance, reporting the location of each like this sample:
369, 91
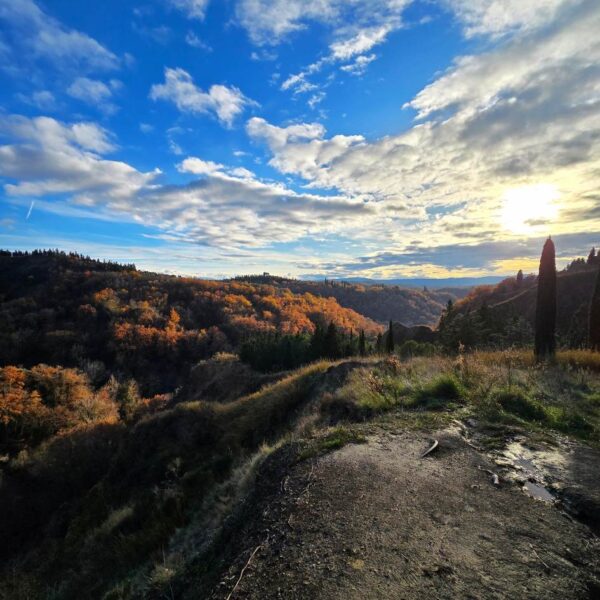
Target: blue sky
389, 138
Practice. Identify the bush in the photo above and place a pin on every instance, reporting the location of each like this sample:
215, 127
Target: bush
439, 391
520, 404
570, 422
412, 348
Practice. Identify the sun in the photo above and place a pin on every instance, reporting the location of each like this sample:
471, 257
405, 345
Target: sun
527, 208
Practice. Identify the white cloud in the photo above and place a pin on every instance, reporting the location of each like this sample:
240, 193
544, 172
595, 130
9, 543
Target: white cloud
316, 99
35, 35
362, 42
354, 40
279, 137
479, 82
198, 166
42, 99
227, 207
46, 156
194, 9
360, 64
225, 102
232, 208
268, 22
493, 18
524, 113
191, 39
92, 91
300, 149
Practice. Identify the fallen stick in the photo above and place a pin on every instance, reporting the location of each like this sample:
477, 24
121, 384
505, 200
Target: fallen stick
433, 447
243, 571
539, 557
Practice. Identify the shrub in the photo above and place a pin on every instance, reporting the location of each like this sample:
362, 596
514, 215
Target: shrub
367, 393
412, 348
570, 422
439, 391
520, 404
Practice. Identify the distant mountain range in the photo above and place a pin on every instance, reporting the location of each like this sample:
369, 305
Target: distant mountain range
449, 282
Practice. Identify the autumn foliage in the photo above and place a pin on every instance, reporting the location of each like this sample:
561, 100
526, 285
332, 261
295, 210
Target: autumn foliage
60, 309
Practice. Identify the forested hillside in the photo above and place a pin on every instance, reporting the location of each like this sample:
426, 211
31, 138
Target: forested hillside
504, 315
378, 302
105, 318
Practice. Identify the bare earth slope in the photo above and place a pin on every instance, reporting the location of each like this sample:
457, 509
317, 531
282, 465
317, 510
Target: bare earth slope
377, 521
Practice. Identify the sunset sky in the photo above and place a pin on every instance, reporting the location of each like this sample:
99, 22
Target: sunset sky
347, 138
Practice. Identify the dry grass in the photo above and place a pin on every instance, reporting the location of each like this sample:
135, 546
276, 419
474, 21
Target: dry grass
582, 359
502, 387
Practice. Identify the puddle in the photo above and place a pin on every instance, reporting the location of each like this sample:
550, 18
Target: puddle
531, 469
538, 492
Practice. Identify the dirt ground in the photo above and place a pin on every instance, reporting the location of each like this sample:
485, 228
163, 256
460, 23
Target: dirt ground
377, 521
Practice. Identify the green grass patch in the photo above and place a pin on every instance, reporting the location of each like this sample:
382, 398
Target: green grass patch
440, 392
334, 440
520, 404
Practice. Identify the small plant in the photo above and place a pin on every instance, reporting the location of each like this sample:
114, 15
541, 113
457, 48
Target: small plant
436, 394
336, 438
520, 404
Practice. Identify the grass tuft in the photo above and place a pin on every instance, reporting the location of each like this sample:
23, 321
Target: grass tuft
520, 404
441, 390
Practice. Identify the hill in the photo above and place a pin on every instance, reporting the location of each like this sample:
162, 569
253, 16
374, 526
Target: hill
505, 314
377, 301
105, 318
317, 486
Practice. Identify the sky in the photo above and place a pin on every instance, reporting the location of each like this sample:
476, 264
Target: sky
307, 138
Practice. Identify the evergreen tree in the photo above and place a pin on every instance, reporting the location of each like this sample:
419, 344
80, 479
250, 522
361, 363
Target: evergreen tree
520, 277
389, 341
594, 331
545, 318
332, 343
591, 257
362, 347
379, 344
317, 343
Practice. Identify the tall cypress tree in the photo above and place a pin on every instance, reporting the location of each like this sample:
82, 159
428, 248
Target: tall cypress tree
362, 345
545, 317
594, 332
379, 344
332, 343
520, 277
389, 340
317, 343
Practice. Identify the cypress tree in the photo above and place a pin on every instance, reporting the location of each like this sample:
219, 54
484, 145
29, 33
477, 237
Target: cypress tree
332, 346
389, 341
545, 317
591, 257
520, 277
317, 343
594, 331
379, 344
362, 346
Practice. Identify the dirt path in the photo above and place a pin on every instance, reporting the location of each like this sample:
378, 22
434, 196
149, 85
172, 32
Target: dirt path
376, 521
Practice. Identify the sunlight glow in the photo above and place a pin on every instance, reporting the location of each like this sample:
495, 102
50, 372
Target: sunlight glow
527, 208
